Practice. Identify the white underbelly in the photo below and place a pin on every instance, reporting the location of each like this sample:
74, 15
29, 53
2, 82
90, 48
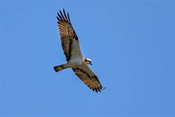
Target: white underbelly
75, 61
76, 56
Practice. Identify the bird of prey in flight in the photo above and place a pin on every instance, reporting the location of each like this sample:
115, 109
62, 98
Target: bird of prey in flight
74, 57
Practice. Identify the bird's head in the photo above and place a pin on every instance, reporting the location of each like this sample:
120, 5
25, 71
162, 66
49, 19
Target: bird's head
87, 61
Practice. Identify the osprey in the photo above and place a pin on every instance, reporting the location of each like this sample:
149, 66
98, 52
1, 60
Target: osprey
74, 58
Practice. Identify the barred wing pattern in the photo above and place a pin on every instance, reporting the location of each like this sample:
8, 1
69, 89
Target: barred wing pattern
88, 77
67, 34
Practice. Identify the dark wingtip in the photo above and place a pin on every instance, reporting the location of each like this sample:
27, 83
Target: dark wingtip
63, 10
62, 16
58, 16
68, 17
98, 89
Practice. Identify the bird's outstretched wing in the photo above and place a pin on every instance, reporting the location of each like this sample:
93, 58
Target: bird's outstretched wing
88, 77
69, 39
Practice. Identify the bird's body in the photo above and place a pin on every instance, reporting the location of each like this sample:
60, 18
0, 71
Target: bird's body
72, 63
74, 58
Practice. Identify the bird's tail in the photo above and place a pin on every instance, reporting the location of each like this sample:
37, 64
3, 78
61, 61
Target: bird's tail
59, 68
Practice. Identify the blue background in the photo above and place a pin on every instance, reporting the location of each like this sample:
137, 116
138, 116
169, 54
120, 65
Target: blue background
131, 45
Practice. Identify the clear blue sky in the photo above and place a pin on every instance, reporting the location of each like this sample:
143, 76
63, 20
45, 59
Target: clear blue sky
131, 44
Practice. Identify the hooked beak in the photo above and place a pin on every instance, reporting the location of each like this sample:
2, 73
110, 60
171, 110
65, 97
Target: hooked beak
90, 63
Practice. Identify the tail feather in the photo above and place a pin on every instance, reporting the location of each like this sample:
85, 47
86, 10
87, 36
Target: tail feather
59, 68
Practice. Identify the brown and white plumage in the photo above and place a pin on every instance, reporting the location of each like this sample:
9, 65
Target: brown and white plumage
74, 58
88, 77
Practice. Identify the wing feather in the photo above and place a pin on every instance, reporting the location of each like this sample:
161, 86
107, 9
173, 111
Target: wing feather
67, 34
88, 77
